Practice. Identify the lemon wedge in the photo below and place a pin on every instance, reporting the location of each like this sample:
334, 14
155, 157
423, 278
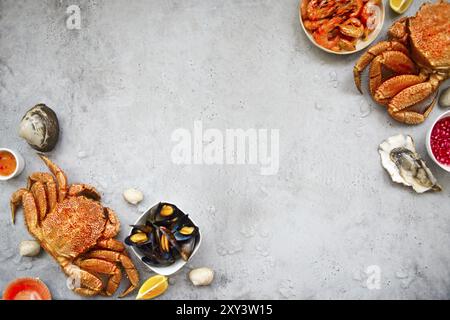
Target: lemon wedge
153, 287
400, 6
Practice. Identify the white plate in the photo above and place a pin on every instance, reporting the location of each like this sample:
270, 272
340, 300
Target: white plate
360, 45
179, 263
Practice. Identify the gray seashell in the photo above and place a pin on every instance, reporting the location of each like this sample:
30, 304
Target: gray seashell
40, 128
444, 99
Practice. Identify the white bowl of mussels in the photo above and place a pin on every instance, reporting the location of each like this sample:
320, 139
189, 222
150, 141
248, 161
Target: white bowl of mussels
164, 238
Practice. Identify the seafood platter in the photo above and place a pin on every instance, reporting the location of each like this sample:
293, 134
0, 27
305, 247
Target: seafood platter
342, 27
80, 233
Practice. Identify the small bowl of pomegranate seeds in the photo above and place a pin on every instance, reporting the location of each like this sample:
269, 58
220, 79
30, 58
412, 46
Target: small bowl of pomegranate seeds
438, 141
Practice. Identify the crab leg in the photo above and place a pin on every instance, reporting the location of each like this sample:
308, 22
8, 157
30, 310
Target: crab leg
398, 31
105, 267
60, 177
412, 117
90, 285
40, 197
391, 87
126, 263
50, 184
370, 54
112, 225
398, 107
111, 244
29, 208
84, 190
393, 60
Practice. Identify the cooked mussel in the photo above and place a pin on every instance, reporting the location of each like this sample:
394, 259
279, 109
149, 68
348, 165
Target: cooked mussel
187, 247
140, 235
165, 215
185, 233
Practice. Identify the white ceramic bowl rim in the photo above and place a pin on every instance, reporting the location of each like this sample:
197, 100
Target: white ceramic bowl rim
179, 263
361, 45
16, 157
428, 142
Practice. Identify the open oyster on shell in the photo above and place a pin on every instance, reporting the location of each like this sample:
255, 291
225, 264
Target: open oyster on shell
404, 164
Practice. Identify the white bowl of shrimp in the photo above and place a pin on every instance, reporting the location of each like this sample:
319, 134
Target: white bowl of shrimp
344, 27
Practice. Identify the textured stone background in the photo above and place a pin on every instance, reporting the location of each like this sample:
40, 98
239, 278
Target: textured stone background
137, 70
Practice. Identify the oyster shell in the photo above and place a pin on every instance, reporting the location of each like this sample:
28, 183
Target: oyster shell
404, 164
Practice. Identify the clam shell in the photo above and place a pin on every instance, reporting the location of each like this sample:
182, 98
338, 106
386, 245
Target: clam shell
40, 128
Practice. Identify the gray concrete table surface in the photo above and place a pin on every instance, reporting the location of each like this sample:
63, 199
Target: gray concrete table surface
138, 70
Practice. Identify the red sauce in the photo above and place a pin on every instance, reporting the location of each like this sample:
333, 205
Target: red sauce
8, 163
440, 141
27, 289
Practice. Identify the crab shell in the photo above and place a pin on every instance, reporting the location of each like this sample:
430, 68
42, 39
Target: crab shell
403, 163
429, 36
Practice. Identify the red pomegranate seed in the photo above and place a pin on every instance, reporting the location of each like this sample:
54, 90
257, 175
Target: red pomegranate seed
440, 141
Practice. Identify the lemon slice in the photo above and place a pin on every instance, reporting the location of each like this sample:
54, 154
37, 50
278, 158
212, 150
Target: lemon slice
400, 6
153, 287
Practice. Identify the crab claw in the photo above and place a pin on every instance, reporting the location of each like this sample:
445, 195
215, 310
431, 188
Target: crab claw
367, 57
15, 201
61, 178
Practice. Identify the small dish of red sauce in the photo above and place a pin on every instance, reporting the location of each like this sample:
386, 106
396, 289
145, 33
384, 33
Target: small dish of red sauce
11, 164
438, 142
27, 289
8, 163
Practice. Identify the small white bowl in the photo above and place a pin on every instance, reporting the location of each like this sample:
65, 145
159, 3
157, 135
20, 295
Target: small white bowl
360, 45
20, 164
428, 142
179, 263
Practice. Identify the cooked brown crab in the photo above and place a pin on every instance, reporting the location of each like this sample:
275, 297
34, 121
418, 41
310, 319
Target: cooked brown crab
418, 53
76, 230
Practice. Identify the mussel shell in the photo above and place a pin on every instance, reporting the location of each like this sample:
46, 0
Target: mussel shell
150, 237
156, 217
147, 228
187, 248
158, 261
183, 237
182, 221
136, 244
40, 128
149, 247
172, 240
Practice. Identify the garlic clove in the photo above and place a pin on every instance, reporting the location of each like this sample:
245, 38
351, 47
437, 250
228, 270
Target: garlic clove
29, 248
201, 276
133, 196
